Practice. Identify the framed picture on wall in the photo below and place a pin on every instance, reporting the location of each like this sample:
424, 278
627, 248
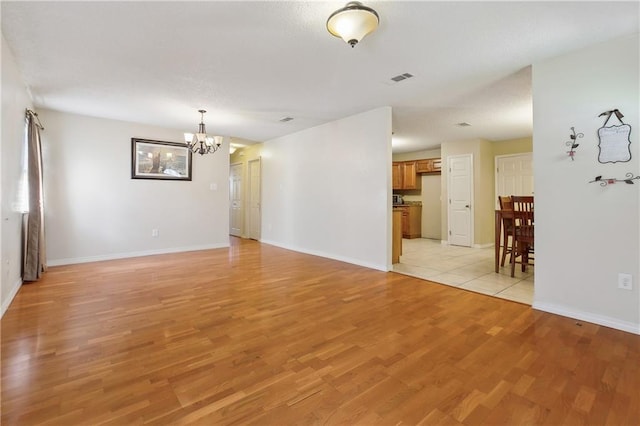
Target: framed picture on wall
160, 160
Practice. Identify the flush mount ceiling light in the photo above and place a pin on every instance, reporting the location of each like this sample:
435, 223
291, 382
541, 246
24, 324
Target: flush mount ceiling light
353, 22
200, 142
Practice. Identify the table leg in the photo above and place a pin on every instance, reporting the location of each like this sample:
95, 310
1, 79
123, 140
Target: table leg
498, 229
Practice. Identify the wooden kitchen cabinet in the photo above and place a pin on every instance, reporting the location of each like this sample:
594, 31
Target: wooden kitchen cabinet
397, 170
437, 165
410, 178
405, 175
424, 166
411, 221
429, 165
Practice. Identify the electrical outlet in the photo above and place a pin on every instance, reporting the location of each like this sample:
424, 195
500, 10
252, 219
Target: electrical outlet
625, 281
155, 233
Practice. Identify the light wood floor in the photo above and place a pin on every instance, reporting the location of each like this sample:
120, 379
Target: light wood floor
261, 335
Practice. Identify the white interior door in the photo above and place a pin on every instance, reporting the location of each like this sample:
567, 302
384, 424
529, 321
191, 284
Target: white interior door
460, 187
255, 216
235, 200
514, 175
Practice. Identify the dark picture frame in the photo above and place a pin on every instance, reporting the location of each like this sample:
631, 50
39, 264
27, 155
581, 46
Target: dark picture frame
151, 159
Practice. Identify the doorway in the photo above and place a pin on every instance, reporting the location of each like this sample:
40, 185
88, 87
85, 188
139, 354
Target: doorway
235, 200
254, 199
514, 175
460, 207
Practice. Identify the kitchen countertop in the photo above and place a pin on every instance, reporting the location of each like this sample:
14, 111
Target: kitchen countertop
409, 204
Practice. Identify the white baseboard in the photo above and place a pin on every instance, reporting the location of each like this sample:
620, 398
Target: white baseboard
384, 268
588, 316
481, 246
487, 245
74, 260
12, 294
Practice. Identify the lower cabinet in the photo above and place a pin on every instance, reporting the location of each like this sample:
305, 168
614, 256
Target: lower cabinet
411, 221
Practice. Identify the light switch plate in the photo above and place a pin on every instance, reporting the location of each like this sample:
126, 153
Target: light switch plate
625, 281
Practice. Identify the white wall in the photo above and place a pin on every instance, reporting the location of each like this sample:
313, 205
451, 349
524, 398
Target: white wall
15, 99
585, 233
327, 190
95, 211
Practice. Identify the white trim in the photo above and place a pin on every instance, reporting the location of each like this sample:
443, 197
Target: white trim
247, 198
475, 246
74, 260
242, 172
481, 246
383, 268
588, 316
12, 295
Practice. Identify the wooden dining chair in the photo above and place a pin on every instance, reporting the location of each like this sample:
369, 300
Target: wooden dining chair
506, 206
523, 203
523, 232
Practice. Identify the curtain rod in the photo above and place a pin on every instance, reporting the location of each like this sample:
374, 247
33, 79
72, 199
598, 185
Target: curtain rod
35, 115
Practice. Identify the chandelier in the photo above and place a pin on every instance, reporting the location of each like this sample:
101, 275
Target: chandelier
353, 22
200, 142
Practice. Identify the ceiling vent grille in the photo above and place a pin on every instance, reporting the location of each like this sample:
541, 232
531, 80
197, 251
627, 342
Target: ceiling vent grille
285, 119
401, 77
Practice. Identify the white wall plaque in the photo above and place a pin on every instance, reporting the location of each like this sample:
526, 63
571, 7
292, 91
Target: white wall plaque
614, 144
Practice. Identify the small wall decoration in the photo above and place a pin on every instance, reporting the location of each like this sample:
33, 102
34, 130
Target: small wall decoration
614, 140
160, 160
572, 143
629, 178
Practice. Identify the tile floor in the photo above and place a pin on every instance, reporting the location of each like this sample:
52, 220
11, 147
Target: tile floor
467, 268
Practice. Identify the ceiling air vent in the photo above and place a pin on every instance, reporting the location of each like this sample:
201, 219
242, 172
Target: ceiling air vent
401, 77
285, 119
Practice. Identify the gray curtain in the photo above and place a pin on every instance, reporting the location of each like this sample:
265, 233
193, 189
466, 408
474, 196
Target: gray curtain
34, 261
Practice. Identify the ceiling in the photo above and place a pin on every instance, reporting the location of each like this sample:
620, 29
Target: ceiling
250, 64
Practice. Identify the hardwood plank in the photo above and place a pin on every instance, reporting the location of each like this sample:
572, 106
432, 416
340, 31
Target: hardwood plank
255, 334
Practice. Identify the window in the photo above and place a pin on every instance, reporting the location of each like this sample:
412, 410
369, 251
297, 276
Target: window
22, 196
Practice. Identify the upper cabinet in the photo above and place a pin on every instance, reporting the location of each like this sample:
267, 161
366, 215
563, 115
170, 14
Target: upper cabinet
437, 165
429, 165
405, 175
410, 178
397, 170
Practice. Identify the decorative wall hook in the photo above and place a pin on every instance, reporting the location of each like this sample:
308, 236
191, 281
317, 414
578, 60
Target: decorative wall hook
572, 143
629, 178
